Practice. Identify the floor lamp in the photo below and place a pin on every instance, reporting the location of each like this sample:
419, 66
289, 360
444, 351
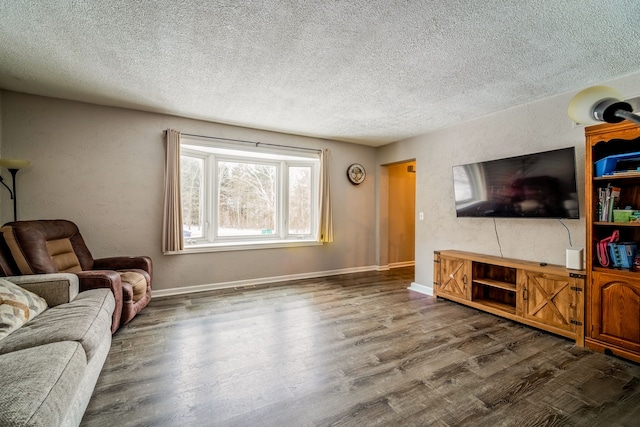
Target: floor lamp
14, 166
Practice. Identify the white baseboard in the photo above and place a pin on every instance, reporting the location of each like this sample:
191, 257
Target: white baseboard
416, 287
402, 264
258, 281
396, 265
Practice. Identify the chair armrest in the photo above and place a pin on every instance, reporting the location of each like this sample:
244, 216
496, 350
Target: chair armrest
55, 288
94, 279
124, 263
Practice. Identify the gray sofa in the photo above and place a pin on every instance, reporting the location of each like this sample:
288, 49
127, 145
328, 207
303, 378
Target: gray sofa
50, 365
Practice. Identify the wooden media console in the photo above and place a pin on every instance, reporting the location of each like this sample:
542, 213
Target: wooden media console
545, 296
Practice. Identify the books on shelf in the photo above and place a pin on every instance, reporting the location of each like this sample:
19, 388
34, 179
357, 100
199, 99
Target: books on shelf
608, 200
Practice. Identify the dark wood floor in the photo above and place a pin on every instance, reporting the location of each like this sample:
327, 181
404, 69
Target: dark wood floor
350, 350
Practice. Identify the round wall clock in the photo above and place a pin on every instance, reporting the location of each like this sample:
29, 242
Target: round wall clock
356, 173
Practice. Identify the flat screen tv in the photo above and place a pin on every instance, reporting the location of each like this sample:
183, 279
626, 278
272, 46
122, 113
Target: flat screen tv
538, 185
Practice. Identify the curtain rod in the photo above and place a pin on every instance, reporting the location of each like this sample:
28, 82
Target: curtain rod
256, 143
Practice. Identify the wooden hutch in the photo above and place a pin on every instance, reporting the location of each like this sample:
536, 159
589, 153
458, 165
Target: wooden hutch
612, 294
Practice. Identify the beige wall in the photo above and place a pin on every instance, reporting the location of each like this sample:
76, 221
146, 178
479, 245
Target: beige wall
0, 121
102, 168
529, 128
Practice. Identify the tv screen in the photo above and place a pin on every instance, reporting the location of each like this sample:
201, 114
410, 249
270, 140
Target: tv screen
539, 185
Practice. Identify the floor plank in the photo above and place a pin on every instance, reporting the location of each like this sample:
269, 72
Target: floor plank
350, 350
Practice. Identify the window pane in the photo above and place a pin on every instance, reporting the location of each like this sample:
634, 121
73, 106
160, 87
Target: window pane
246, 199
300, 200
191, 173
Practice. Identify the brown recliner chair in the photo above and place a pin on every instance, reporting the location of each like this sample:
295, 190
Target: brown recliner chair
56, 246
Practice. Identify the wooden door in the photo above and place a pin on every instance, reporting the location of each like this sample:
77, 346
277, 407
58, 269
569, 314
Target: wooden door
615, 310
455, 277
552, 300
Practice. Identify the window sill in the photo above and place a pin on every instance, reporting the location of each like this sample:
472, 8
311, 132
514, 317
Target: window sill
243, 246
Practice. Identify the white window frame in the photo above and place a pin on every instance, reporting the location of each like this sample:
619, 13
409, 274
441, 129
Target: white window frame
214, 152
203, 198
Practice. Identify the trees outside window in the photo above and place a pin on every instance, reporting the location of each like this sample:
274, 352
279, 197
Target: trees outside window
246, 198
300, 199
192, 172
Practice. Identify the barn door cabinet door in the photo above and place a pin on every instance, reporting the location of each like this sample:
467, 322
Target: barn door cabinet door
552, 300
454, 278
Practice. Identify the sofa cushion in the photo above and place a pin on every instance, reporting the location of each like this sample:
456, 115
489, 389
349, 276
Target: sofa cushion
83, 320
17, 307
38, 384
63, 256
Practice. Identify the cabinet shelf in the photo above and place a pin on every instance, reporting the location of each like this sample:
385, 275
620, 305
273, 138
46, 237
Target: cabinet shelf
622, 271
630, 178
511, 309
496, 284
617, 224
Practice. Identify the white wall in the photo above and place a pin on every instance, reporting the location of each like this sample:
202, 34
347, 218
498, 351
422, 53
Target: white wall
102, 168
530, 128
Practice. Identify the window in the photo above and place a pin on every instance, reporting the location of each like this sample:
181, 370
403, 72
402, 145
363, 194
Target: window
468, 182
244, 196
192, 173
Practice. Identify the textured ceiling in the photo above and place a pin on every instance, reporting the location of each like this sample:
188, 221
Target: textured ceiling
369, 72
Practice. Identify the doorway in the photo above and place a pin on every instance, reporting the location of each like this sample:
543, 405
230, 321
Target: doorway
400, 214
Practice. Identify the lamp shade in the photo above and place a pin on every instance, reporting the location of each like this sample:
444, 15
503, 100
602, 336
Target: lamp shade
582, 106
14, 163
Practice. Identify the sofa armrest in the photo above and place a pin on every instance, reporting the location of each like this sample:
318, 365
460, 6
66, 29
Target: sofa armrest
55, 288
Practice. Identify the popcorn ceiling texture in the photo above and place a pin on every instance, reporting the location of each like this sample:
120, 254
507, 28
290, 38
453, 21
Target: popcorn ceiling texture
369, 72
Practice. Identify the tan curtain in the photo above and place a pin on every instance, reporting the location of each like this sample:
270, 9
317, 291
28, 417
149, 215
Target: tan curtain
326, 215
172, 238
